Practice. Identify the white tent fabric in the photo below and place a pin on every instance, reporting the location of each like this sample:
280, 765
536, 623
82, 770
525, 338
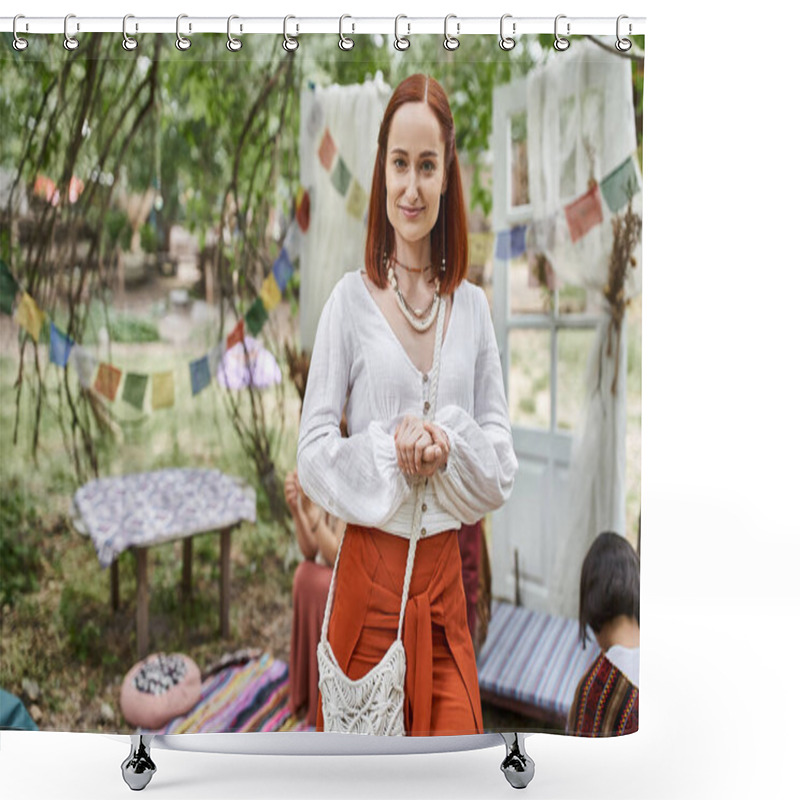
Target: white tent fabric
581, 127
334, 241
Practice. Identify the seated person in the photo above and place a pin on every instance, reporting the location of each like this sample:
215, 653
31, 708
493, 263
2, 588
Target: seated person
318, 535
606, 702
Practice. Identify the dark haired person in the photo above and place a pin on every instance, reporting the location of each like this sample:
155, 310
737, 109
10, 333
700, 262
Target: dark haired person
606, 702
375, 340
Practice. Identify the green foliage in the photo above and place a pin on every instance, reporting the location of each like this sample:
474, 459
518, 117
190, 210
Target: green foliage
118, 229
81, 615
20, 559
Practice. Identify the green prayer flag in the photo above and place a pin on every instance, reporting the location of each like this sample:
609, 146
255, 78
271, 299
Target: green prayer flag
620, 185
341, 177
8, 289
256, 317
134, 389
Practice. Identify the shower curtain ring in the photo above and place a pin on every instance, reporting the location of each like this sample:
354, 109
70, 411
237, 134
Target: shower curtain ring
19, 44
233, 44
127, 42
345, 42
181, 42
401, 42
290, 44
70, 42
507, 42
560, 43
451, 42
623, 45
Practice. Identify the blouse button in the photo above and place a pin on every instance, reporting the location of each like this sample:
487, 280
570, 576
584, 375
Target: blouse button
426, 407
423, 532
425, 378
424, 507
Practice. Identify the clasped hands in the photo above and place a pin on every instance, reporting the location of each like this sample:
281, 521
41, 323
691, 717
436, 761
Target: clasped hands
422, 447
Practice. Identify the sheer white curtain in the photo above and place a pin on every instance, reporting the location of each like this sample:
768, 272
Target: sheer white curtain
334, 241
581, 128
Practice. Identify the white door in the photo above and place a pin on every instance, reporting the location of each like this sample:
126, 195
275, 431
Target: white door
544, 335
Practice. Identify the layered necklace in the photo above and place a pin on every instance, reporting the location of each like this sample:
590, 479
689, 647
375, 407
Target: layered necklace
420, 319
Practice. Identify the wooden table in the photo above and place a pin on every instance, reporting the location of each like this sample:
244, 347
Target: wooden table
141, 510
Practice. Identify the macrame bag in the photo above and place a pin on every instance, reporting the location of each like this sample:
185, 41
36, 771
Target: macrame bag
373, 704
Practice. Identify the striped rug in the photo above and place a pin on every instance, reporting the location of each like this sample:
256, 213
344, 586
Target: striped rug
246, 697
533, 660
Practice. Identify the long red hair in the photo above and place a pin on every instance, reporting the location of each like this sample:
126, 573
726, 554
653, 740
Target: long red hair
450, 237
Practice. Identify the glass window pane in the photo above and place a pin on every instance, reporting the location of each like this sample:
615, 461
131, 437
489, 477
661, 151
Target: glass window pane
527, 294
520, 195
529, 378
574, 346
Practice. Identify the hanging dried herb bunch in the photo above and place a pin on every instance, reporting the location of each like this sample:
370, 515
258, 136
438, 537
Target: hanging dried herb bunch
627, 229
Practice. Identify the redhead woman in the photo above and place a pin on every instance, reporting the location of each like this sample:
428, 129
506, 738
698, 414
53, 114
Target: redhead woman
375, 341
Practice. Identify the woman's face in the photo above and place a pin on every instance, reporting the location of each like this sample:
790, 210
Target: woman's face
415, 172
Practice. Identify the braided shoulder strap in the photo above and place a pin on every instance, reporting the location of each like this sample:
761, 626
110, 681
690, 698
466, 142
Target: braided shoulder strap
419, 491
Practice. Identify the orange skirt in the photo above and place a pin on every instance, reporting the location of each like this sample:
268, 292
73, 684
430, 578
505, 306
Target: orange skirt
442, 695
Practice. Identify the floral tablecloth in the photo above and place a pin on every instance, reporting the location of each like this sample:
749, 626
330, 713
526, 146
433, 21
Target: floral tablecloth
150, 507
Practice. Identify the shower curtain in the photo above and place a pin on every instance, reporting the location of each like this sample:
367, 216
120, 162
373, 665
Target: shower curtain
173, 221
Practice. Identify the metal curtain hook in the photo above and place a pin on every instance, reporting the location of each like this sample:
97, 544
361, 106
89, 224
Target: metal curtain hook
290, 44
345, 42
507, 42
127, 42
70, 42
181, 42
560, 43
623, 45
233, 44
19, 44
401, 42
450, 42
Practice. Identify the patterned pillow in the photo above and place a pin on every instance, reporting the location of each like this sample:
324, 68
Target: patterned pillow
158, 689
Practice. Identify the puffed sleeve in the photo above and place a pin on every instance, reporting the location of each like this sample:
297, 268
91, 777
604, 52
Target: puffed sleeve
356, 478
480, 470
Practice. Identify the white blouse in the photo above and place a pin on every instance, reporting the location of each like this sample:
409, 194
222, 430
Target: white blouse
357, 478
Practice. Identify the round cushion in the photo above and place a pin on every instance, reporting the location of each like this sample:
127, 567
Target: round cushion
159, 689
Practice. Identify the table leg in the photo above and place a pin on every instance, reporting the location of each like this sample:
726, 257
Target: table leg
142, 622
115, 585
187, 570
225, 582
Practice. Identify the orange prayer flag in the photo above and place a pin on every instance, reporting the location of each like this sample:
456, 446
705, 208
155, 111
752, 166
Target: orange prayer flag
107, 380
236, 335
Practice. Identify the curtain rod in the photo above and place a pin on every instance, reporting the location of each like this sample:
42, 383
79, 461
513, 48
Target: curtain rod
349, 25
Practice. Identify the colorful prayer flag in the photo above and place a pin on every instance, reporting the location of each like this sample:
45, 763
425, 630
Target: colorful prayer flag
270, 292
107, 380
215, 355
200, 374
327, 150
29, 316
256, 317
510, 244
163, 395
356, 200
236, 335
584, 213
282, 269
341, 176
60, 346
291, 242
134, 388
303, 209
9, 289
480, 247
620, 185
84, 363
